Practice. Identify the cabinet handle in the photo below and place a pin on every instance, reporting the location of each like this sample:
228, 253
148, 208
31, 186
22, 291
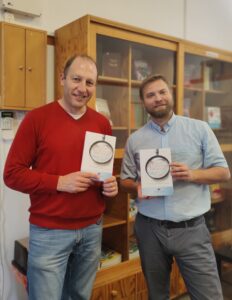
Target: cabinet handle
114, 293
29, 69
21, 68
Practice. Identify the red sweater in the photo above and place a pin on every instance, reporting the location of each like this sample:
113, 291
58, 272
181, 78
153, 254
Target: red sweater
49, 143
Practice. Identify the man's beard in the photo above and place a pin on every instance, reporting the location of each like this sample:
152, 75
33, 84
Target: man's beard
161, 113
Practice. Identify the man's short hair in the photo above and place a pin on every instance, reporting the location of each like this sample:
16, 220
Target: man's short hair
148, 80
72, 58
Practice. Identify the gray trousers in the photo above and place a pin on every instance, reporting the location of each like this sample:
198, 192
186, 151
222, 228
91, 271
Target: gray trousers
192, 249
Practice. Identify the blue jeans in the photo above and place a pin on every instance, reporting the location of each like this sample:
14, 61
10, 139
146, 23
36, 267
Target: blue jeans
62, 264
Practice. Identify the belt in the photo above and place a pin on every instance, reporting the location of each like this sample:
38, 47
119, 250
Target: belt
171, 224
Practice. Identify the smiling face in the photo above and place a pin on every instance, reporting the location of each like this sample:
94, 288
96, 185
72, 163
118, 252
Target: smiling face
158, 101
79, 85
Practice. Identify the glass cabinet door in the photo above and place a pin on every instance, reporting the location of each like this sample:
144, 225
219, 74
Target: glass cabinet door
122, 65
147, 60
208, 96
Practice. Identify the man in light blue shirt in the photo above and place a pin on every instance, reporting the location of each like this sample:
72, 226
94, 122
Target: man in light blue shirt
174, 226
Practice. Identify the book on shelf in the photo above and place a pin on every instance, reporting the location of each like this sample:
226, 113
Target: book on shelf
137, 115
111, 64
214, 116
133, 248
207, 77
103, 108
141, 69
187, 107
216, 192
109, 258
192, 75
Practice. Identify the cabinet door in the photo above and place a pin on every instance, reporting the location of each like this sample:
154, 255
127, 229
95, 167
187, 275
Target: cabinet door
122, 65
142, 293
35, 68
124, 289
207, 96
99, 294
13, 66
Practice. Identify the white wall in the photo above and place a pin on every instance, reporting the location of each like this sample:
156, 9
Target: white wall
204, 21
209, 22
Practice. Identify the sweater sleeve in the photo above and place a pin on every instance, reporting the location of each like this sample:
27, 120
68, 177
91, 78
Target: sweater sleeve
18, 172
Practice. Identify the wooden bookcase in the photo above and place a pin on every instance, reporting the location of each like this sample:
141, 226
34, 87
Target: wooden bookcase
124, 56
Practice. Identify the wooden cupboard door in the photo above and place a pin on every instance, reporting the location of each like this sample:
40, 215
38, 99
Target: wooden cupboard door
124, 289
35, 68
142, 295
174, 281
99, 294
141, 283
13, 65
142, 292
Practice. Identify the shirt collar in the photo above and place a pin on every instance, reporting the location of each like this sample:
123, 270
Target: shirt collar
166, 127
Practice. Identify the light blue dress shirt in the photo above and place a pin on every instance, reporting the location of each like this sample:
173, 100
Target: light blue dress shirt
191, 142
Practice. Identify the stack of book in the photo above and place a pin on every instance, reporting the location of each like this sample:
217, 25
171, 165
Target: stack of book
133, 248
109, 258
132, 209
216, 193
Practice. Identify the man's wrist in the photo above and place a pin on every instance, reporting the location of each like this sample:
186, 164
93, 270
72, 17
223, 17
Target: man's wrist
60, 184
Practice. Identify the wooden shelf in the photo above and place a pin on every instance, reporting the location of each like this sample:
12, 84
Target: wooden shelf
119, 128
226, 147
113, 80
193, 89
109, 221
111, 274
220, 238
213, 91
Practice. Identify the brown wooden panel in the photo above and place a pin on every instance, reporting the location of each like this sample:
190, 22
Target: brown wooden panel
141, 283
100, 294
69, 40
14, 65
142, 295
35, 68
123, 289
116, 239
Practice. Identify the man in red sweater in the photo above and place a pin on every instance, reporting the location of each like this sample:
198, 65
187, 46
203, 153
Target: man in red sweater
66, 204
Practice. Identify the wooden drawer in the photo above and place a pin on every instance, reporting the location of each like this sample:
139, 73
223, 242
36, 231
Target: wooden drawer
123, 289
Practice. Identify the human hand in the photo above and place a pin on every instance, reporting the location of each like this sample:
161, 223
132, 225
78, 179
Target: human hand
180, 171
110, 187
76, 182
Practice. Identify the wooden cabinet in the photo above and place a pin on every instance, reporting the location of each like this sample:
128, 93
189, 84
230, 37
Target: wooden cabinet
126, 281
23, 67
201, 81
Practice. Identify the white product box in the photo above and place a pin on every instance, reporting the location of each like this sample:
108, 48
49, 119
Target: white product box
156, 179
98, 154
